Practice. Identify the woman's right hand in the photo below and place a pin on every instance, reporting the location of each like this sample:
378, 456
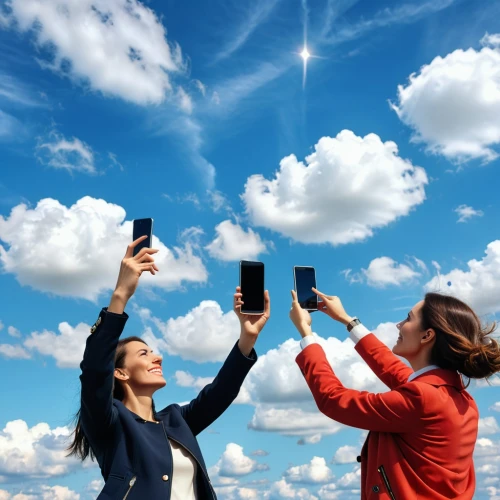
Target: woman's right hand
131, 269
332, 306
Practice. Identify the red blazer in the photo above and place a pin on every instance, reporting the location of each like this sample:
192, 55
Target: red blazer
423, 432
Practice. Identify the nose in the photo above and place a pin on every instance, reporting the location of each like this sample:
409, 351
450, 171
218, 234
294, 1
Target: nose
158, 359
399, 325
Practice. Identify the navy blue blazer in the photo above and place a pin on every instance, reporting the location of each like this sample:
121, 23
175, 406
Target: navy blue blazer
134, 454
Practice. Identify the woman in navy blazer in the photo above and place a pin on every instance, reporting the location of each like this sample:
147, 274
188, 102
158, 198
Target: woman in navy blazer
117, 423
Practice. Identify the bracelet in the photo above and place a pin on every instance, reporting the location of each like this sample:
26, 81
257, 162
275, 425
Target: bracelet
352, 324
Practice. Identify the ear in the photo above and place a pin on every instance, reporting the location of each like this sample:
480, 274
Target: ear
120, 374
428, 336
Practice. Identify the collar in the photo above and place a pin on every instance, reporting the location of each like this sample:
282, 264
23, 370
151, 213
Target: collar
436, 376
422, 371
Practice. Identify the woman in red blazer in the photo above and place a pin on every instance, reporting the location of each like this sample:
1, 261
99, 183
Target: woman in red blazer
422, 431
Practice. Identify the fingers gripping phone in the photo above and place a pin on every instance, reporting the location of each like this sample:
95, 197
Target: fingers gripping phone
143, 227
305, 279
252, 287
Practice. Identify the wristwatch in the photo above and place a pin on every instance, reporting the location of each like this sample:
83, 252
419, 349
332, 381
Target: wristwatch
353, 323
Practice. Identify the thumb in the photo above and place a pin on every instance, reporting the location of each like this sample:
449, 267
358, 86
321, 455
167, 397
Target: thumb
294, 296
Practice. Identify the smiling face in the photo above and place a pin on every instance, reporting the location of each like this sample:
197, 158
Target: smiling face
142, 370
413, 340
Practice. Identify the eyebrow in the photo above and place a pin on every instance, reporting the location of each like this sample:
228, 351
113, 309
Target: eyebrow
145, 350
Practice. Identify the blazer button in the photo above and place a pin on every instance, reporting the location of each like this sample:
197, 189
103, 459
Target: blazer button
165, 477
358, 459
375, 489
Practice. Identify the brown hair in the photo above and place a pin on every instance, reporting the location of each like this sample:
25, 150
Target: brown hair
462, 343
80, 447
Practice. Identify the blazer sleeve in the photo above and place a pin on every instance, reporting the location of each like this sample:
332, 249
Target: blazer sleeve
217, 396
97, 411
386, 365
399, 410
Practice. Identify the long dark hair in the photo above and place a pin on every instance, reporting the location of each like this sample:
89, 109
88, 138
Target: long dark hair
462, 343
80, 447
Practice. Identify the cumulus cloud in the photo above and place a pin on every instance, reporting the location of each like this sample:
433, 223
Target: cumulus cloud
315, 472
384, 271
346, 189
233, 243
453, 103
282, 489
13, 332
11, 351
118, 48
346, 455
204, 334
36, 452
488, 426
42, 492
465, 213
478, 286
234, 463
76, 251
72, 154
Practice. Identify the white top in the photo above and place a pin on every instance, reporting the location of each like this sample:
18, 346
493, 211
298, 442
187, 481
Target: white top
356, 334
185, 466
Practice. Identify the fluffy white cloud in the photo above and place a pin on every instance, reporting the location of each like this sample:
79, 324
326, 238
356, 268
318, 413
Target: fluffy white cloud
478, 286
453, 103
42, 493
281, 489
66, 348
234, 463
38, 451
465, 213
233, 243
76, 251
118, 48
384, 271
346, 455
488, 426
72, 155
204, 334
11, 351
346, 189
13, 332
277, 387
315, 472
496, 407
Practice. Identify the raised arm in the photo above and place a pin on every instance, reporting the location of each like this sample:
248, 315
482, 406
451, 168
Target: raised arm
97, 411
216, 397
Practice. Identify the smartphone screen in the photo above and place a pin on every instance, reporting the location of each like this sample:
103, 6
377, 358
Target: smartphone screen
305, 279
143, 227
252, 287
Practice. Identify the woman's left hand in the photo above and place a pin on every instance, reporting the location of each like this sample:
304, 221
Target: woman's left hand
300, 317
251, 324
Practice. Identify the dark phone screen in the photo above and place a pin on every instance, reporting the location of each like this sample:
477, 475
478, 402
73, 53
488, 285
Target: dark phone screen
305, 279
143, 227
252, 286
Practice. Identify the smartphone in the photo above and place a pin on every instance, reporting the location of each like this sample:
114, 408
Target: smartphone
252, 287
143, 227
305, 279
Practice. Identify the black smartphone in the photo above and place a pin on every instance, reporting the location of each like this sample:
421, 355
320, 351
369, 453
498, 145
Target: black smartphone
305, 279
143, 227
252, 286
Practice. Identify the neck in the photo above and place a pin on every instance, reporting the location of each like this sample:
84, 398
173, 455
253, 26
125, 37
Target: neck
140, 405
420, 361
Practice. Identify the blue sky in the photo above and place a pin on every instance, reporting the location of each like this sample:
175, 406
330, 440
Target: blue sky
381, 171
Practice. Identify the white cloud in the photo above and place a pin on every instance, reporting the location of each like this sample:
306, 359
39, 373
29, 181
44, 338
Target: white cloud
453, 104
491, 40
204, 334
315, 472
479, 285
9, 125
261, 453
346, 189
36, 452
72, 155
77, 251
233, 243
185, 379
234, 463
465, 213
495, 407
13, 332
42, 492
11, 351
118, 48
282, 489
488, 426
346, 455
185, 101
66, 348
384, 271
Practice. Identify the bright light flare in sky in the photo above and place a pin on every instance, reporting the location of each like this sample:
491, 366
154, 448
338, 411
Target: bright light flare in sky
305, 54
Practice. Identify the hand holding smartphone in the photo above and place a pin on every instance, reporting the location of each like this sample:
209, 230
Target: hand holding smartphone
305, 280
252, 287
143, 227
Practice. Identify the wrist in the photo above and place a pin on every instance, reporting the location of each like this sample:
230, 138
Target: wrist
305, 330
345, 320
246, 342
118, 302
